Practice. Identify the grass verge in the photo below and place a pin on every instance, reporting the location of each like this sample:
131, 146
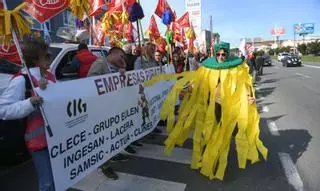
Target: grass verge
310, 58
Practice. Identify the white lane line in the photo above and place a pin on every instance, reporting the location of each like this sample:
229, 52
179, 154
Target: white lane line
273, 128
258, 88
265, 109
310, 66
291, 171
305, 76
96, 181
151, 151
261, 98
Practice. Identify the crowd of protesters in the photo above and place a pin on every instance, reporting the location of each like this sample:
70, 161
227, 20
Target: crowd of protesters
18, 101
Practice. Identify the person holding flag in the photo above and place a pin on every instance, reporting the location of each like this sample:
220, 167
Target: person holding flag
19, 101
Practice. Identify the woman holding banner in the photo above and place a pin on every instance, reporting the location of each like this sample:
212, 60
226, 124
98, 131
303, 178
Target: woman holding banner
19, 101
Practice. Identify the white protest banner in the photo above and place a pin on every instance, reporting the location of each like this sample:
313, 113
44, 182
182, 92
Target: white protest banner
95, 118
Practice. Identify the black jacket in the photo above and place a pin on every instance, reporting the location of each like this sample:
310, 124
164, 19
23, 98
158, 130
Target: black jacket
131, 59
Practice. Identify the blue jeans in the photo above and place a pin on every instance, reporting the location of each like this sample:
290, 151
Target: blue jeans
41, 161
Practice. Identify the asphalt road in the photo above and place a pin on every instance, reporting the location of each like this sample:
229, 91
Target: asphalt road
293, 100
289, 103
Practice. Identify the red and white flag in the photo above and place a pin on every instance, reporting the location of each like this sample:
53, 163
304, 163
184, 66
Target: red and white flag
43, 10
212, 44
249, 49
100, 34
184, 21
117, 5
96, 7
129, 35
153, 31
10, 53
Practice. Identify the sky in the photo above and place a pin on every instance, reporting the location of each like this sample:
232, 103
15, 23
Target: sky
235, 19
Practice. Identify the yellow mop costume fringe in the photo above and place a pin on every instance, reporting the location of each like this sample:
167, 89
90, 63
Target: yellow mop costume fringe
211, 140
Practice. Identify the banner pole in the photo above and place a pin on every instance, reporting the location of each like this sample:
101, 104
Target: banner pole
140, 25
16, 41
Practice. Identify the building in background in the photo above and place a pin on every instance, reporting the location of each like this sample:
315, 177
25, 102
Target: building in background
194, 9
266, 45
205, 40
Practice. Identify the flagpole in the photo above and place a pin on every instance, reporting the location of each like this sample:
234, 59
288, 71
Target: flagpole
142, 31
138, 29
90, 30
94, 28
170, 48
139, 37
16, 41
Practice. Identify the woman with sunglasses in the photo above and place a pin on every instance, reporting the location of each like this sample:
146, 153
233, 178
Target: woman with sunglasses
221, 99
221, 55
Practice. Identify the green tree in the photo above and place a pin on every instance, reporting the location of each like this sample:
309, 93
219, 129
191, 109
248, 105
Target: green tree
260, 53
284, 49
314, 48
272, 51
302, 48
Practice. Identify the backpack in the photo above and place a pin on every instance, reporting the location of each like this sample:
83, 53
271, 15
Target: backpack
12, 145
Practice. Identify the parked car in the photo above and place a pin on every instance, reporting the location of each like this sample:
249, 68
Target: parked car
62, 55
281, 56
12, 139
291, 60
267, 60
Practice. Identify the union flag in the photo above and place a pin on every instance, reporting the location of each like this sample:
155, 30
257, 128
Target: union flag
10, 53
96, 7
184, 20
162, 6
43, 10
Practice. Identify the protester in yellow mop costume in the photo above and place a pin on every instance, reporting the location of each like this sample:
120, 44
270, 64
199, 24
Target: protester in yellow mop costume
227, 84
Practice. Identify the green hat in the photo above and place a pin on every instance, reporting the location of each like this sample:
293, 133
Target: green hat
231, 62
222, 45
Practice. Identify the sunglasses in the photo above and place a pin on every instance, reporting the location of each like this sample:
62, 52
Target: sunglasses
218, 54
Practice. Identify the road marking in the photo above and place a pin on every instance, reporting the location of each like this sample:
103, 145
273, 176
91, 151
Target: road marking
305, 76
310, 66
98, 182
265, 109
261, 98
291, 171
273, 128
151, 151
